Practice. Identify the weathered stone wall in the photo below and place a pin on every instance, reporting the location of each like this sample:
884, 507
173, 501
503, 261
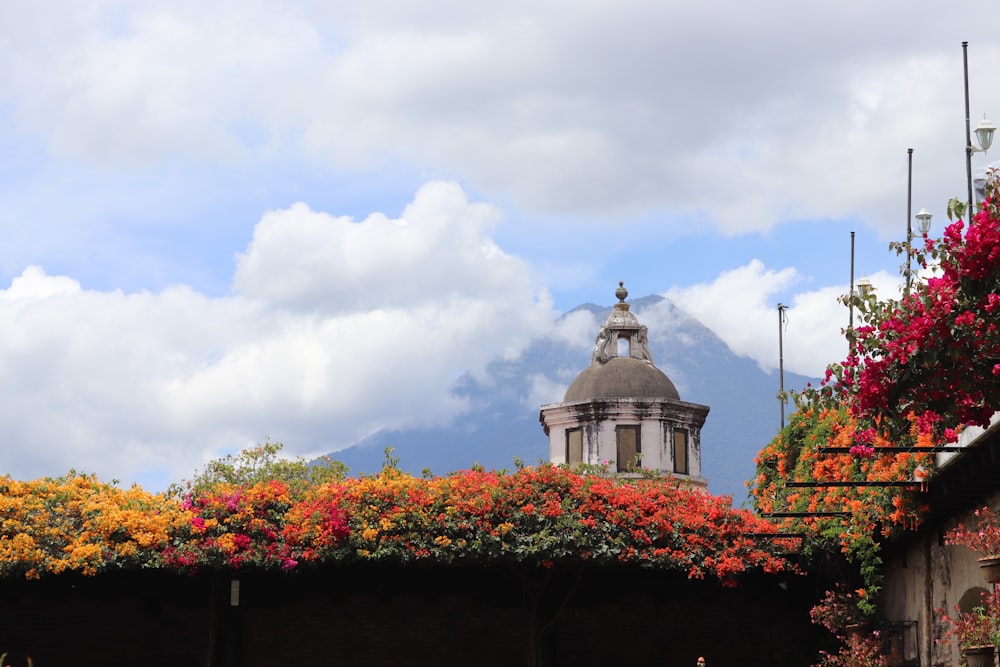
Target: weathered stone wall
927, 576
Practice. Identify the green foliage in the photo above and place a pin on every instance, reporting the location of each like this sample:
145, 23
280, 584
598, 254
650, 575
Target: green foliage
595, 469
260, 464
957, 209
391, 462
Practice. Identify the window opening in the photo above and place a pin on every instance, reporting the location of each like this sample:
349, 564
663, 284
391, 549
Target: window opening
629, 449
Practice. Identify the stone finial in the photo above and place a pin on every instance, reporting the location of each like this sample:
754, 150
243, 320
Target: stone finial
621, 292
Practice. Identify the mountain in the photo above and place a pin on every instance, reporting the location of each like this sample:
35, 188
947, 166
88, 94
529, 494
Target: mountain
502, 420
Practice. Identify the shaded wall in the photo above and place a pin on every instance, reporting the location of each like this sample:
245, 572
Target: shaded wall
410, 616
927, 577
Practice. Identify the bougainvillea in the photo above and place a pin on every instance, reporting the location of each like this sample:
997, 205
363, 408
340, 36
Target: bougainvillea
935, 353
549, 514
234, 526
76, 523
538, 516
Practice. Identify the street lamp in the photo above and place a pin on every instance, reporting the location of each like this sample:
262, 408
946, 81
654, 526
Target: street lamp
865, 287
924, 221
923, 227
984, 131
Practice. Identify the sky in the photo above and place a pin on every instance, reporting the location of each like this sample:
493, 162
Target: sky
223, 222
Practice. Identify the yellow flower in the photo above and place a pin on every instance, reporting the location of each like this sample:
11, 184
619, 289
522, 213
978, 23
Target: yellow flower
226, 541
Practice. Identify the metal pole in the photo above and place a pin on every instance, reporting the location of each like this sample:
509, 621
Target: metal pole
850, 301
909, 227
781, 363
968, 127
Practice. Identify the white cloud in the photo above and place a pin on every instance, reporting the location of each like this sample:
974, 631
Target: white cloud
544, 390
435, 251
740, 306
577, 328
336, 328
136, 136
617, 108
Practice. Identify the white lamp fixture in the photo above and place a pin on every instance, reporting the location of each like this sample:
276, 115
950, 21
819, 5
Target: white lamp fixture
865, 286
984, 133
924, 221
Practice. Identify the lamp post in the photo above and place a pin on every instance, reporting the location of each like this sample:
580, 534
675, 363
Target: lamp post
909, 229
923, 222
781, 362
984, 131
850, 301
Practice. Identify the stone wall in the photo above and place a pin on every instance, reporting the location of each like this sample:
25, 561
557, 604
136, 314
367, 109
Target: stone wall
926, 576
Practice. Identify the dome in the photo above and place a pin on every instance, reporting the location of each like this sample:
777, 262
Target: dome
621, 377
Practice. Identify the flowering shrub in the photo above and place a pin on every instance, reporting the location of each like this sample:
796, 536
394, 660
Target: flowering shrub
873, 512
232, 526
978, 627
935, 354
316, 527
838, 611
858, 650
984, 537
537, 516
76, 523
550, 514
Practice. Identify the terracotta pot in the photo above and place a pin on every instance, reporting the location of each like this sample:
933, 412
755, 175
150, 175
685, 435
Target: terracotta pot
991, 568
978, 656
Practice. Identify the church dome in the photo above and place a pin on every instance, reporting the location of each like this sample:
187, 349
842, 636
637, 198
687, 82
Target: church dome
621, 365
621, 377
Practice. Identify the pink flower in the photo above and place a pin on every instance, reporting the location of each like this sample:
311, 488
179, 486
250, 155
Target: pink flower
863, 451
965, 319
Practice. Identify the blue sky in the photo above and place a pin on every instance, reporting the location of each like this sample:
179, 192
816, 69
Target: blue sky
225, 221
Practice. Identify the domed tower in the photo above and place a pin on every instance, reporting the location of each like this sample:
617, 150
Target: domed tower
624, 412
